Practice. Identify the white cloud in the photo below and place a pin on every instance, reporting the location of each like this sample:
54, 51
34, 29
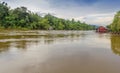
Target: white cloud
98, 19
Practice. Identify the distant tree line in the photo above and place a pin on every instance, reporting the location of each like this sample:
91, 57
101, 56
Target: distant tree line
115, 26
21, 17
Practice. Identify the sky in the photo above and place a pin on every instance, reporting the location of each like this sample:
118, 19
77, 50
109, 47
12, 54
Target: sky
96, 12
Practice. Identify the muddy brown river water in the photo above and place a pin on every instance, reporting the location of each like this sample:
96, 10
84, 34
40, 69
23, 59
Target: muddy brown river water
59, 52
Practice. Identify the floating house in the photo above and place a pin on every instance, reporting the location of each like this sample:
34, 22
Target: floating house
101, 29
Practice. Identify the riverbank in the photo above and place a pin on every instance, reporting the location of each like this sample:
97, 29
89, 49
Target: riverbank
115, 33
26, 29
14, 29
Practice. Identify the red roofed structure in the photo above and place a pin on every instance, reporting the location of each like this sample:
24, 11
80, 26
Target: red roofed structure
101, 29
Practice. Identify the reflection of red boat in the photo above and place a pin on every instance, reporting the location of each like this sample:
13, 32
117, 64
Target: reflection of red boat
101, 29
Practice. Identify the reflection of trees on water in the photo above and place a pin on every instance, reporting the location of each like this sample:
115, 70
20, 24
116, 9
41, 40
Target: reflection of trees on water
21, 45
48, 41
115, 44
22, 42
4, 46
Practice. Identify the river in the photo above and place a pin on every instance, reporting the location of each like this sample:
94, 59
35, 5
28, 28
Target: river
59, 52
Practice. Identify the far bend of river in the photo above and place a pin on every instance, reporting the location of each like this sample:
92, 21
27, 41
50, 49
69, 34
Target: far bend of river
59, 52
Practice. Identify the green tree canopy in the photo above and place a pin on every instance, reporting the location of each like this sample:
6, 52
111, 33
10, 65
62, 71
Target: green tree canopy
115, 26
21, 17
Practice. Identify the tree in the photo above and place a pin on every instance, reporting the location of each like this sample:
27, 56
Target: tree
115, 26
4, 11
43, 24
